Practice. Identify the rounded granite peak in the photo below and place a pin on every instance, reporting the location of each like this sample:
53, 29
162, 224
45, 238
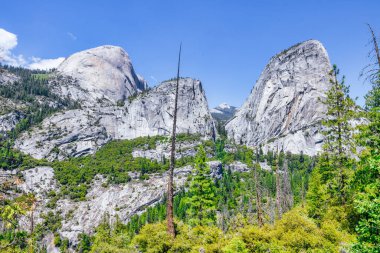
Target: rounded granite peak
305, 47
311, 42
103, 73
315, 44
285, 102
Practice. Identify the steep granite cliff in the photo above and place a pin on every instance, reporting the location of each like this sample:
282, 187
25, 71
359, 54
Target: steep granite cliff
284, 108
82, 131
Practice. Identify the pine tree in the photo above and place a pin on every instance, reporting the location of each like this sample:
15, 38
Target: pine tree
202, 200
329, 182
366, 182
339, 143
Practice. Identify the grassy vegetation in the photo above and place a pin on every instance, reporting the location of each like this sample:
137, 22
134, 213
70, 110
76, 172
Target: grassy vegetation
41, 76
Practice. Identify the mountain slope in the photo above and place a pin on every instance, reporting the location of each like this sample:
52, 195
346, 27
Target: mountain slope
82, 131
223, 112
284, 108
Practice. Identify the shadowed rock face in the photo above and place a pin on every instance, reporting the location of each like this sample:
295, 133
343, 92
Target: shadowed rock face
101, 73
83, 131
284, 107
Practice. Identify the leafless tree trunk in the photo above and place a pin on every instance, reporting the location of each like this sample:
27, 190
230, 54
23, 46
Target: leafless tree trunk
371, 71
170, 211
303, 193
32, 208
278, 188
287, 191
375, 45
260, 221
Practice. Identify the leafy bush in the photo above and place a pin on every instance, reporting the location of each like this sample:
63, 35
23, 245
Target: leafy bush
295, 232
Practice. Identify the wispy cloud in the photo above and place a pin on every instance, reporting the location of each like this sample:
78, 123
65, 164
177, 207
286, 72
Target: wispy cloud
8, 41
72, 36
39, 63
154, 79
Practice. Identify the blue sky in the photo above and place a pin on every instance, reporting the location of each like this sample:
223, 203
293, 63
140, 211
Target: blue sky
226, 44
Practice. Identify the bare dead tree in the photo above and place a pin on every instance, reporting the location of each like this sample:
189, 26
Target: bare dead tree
279, 199
170, 211
260, 221
375, 45
287, 188
303, 193
371, 71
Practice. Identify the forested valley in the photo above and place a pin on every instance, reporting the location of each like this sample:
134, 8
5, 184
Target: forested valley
255, 200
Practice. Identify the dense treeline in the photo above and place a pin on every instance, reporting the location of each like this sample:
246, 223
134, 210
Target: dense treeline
76, 174
234, 195
31, 90
32, 87
219, 215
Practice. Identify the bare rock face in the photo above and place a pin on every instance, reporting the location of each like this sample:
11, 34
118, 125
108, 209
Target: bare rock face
103, 73
83, 131
115, 103
7, 78
284, 108
122, 201
9, 121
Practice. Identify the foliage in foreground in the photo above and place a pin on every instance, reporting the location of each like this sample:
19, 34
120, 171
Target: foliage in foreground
295, 232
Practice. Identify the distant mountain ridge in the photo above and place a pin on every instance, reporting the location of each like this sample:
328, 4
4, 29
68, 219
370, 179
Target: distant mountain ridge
223, 112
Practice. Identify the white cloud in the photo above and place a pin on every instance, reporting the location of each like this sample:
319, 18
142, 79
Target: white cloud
8, 41
46, 64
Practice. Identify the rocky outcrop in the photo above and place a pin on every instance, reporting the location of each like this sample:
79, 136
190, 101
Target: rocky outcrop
82, 131
99, 75
7, 78
163, 149
8, 106
120, 201
9, 121
284, 109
